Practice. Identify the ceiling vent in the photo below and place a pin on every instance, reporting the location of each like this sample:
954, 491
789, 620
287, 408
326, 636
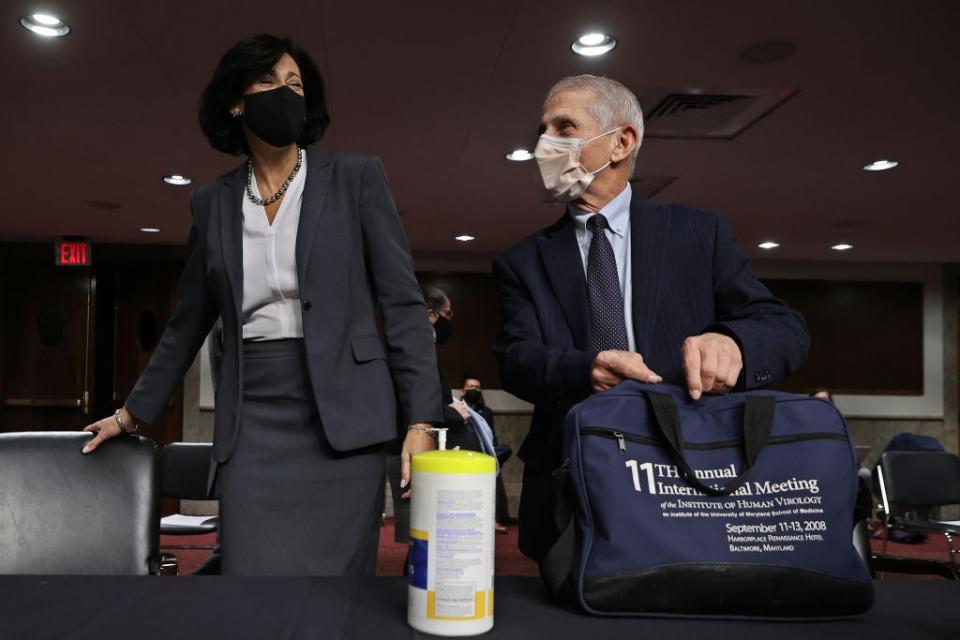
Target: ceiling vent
706, 114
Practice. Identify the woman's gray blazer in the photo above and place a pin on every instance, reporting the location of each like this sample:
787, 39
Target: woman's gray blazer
353, 259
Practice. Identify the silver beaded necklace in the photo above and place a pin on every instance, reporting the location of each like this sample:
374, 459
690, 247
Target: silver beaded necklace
283, 187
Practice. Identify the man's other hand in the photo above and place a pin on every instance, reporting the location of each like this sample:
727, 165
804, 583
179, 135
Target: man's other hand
711, 363
612, 367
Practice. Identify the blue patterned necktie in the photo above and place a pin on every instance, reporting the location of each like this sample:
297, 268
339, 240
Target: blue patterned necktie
608, 329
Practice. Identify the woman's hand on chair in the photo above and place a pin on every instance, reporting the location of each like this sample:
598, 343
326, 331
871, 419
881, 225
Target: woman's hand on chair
105, 429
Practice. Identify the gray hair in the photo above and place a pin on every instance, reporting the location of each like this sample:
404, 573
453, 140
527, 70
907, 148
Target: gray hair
614, 105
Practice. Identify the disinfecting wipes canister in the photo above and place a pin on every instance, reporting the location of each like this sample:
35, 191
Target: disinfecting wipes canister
452, 508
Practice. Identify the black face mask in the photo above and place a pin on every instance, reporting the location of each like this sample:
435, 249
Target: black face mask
444, 327
473, 397
275, 116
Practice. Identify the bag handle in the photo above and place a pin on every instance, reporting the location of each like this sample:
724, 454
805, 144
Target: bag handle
758, 412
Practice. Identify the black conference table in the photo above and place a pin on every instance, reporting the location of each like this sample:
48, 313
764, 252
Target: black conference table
209, 607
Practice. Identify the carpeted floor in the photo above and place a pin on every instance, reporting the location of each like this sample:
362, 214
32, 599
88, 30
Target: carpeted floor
508, 559
935, 547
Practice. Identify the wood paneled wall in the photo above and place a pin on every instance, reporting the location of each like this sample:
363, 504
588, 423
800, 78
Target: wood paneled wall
74, 340
867, 337
475, 322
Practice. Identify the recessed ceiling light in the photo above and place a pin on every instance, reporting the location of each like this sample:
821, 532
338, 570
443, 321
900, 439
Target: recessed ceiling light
464, 238
880, 165
769, 244
843, 246
150, 230
43, 24
593, 44
519, 155
177, 180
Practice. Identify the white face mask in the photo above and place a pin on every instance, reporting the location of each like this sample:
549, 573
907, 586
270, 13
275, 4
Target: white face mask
564, 178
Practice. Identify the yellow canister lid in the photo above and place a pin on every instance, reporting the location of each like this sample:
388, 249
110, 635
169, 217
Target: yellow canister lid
453, 461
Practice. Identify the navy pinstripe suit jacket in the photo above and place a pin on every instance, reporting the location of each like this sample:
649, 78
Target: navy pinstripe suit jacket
689, 276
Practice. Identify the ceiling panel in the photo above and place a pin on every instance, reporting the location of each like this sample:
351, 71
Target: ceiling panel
442, 90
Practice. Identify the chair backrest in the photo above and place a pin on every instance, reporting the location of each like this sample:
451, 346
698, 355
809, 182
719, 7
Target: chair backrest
913, 442
63, 512
184, 470
920, 478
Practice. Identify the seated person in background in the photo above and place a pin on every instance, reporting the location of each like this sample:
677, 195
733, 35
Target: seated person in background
473, 395
455, 414
823, 394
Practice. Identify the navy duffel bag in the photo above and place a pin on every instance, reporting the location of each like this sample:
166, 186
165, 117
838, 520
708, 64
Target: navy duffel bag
733, 506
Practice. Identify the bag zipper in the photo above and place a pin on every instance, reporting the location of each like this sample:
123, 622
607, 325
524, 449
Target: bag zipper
621, 439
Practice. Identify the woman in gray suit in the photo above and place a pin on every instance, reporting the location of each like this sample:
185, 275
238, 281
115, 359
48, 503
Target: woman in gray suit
294, 251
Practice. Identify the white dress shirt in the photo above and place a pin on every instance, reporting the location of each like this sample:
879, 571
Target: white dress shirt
271, 293
617, 213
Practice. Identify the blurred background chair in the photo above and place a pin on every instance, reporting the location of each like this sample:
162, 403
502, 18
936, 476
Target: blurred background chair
184, 469
920, 482
63, 512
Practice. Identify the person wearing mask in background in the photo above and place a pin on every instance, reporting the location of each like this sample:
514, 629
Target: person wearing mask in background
621, 287
823, 394
307, 396
456, 417
473, 395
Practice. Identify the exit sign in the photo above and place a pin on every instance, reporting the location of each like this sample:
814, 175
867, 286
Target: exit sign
73, 253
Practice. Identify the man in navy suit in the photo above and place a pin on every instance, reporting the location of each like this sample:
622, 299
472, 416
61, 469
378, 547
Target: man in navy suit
622, 287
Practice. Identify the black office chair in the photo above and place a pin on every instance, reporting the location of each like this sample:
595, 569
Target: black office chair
921, 480
184, 470
64, 512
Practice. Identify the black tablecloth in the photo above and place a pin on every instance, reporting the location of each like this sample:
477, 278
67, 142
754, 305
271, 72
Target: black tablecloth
76, 607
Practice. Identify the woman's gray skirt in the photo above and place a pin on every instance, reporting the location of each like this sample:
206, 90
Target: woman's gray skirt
289, 504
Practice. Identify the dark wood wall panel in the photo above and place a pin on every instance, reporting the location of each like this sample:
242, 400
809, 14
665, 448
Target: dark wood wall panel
145, 299
476, 318
866, 337
92, 349
46, 345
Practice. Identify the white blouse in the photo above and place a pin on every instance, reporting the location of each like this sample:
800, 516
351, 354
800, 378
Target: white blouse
271, 293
